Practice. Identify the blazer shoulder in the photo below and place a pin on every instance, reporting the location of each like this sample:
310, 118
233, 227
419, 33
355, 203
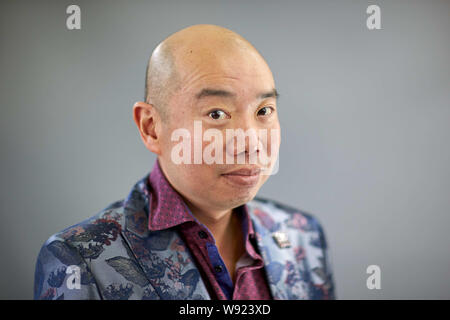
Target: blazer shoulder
70, 249
92, 233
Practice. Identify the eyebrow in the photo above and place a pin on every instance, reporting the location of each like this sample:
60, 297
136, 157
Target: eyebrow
271, 94
208, 92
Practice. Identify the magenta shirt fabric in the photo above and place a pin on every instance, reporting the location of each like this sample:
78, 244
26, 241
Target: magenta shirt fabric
168, 210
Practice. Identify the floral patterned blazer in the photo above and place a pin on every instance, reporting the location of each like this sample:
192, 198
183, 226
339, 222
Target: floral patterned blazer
113, 255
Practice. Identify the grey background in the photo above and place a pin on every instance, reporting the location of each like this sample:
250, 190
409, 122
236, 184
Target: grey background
364, 115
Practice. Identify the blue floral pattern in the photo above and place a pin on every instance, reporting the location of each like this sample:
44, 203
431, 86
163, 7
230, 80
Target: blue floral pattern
119, 258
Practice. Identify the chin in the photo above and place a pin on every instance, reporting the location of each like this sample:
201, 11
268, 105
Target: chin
243, 196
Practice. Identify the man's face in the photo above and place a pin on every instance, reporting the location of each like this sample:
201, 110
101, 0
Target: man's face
221, 93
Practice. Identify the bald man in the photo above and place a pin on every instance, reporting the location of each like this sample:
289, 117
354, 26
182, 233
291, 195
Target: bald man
193, 227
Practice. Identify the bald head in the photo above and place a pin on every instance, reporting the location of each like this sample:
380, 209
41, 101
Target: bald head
176, 59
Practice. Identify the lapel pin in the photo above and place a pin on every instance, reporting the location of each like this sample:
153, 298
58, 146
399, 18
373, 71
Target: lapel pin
281, 239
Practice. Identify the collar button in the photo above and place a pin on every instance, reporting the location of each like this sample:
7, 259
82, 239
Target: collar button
202, 234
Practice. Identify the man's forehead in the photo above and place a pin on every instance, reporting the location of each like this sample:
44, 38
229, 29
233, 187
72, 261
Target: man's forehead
227, 81
211, 63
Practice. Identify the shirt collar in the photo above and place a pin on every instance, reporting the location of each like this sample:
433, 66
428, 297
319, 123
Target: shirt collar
167, 209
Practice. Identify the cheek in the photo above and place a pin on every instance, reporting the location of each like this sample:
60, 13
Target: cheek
273, 138
200, 179
177, 130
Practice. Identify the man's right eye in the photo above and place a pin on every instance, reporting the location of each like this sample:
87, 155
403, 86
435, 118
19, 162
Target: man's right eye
217, 115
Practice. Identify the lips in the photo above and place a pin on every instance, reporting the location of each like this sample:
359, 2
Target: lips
244, 177
244, 172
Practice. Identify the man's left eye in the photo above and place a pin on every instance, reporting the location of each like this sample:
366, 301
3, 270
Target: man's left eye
265, 111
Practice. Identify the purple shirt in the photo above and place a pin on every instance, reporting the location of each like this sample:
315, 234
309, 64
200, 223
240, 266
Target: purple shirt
168, 210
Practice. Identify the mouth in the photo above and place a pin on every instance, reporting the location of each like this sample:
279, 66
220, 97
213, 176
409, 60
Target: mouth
245, 177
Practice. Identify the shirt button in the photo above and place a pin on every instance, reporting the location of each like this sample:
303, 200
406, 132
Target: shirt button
202, 235
218, 269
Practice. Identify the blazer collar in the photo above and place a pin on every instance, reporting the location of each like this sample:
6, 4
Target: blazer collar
162, 255
285, 280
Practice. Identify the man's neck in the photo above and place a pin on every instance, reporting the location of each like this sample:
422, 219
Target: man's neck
226, 229
219, 223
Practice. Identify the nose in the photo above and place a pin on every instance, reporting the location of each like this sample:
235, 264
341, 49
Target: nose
242, 142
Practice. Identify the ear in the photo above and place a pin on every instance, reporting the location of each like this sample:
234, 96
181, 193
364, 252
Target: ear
147, 120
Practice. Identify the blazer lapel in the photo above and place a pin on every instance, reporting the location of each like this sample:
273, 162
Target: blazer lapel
287, 279
162, 255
